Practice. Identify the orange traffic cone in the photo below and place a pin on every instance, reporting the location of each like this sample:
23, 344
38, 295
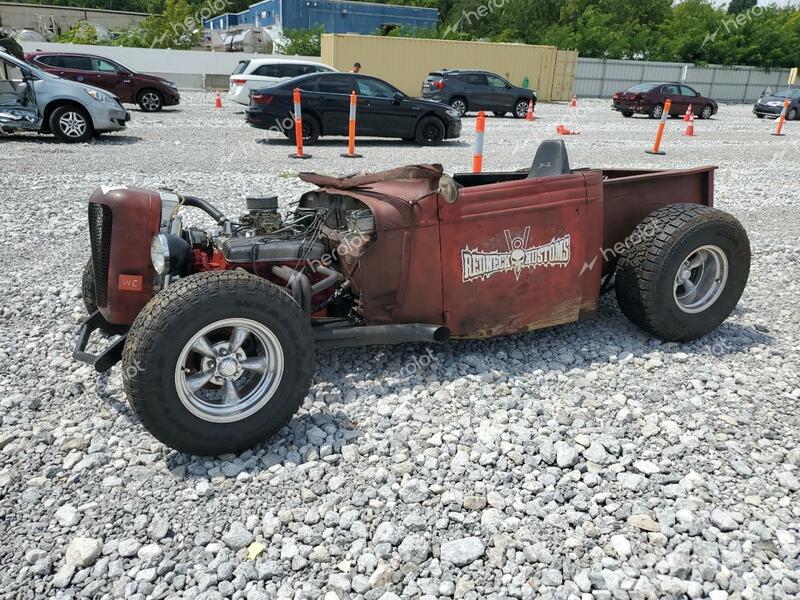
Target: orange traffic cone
688, 112
690, 127
530, 116
574, 102
564, 130
218, 100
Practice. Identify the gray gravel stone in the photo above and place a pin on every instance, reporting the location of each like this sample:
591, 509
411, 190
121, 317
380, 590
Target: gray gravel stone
462, 551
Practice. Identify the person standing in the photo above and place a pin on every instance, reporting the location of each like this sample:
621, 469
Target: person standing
356, 68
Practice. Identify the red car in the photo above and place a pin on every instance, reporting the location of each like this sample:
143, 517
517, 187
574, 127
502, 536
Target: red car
649, 98
219, 329
151, 93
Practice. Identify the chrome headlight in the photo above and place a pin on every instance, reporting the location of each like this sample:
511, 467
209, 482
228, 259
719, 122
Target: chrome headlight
100, 96
159, 254
452, 112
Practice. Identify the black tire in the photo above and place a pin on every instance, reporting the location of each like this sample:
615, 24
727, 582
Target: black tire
656, 251
430, 131
656, 111
760, 116
459, 105
150, 100
792, 115
311, 130
707, 112
627, 114
499, 113
520, 108
71, 123
168, 323
87, 288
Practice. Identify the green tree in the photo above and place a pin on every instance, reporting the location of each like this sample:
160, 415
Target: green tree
739, 6
179, 26
302, 42
82, 32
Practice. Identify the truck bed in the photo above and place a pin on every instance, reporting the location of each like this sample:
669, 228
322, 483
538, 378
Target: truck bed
629, 195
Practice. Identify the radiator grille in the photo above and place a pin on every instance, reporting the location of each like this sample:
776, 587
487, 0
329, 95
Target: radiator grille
100, 218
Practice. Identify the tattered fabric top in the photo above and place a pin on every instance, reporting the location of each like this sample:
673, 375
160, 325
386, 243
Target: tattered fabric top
359, 180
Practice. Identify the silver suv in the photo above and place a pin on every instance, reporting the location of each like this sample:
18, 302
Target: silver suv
32, 100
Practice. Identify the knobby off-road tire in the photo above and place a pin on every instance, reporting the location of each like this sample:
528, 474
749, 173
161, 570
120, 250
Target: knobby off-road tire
211, 307
671, 250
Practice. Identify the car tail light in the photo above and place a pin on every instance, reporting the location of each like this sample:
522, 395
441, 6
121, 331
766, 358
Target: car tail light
261, 98
439, 85
238, 81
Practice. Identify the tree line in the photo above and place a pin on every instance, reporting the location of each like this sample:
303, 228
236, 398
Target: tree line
693, 31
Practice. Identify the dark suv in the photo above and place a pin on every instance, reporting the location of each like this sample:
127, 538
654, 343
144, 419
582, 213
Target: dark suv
151, 93
473, 90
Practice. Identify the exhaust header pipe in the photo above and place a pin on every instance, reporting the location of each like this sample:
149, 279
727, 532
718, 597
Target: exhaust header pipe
348, 337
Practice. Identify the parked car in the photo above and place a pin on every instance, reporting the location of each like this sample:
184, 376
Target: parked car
218, 331
151, 93
34, 100
472, 90
649, 98
771, 103
257, 73
383, 110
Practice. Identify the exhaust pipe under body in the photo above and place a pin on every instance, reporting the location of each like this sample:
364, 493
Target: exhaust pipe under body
348, 337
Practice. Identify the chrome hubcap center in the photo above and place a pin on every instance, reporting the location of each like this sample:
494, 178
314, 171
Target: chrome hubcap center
228, 367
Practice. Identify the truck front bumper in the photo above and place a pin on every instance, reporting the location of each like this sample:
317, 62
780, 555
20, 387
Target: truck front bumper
106, 359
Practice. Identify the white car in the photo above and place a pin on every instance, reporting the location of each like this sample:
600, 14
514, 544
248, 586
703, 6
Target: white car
257, 73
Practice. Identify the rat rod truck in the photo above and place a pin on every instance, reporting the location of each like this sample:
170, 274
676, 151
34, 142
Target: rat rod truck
217, 330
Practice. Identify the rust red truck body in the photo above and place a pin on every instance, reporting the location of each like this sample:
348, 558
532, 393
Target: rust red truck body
511, 254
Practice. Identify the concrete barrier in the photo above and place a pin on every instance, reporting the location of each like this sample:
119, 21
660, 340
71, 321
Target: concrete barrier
189, 69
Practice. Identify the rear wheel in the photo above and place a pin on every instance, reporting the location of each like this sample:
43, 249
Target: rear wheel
707, 112
499, 113
657, 111
310, 130
760, 116
430, 132
459, 105
71, 124
627, 114
218, 362
792, 115
683, 272
150, 100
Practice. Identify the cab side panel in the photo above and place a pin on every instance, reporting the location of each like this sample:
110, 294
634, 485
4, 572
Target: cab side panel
513, 254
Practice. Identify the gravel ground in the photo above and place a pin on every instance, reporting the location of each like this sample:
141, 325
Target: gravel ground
584, 461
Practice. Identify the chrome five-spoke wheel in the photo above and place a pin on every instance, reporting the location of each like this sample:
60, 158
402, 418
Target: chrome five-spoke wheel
700, 279
229, 370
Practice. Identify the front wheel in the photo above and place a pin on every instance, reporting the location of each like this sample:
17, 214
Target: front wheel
627, 114
683, 271
218, 362
707, 112
430, 132
521, 108
760, 116
792, 115
71, 124
150, 101
499, 113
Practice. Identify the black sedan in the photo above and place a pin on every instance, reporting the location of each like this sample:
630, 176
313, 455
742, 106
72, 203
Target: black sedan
382, 110
771, 104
